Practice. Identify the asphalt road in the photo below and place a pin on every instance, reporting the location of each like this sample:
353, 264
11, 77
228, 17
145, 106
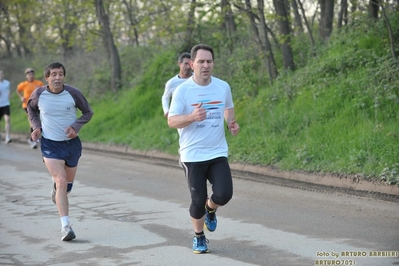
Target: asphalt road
129, 211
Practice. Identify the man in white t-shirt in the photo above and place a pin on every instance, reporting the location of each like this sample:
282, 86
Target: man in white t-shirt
185, 72
5, 105
199, 108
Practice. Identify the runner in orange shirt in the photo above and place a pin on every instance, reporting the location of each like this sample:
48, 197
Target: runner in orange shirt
24, 90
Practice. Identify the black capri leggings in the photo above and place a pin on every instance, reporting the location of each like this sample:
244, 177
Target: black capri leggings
217, 171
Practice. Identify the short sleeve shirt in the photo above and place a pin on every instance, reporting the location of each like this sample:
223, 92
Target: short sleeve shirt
4, 93
205, 140
27, 88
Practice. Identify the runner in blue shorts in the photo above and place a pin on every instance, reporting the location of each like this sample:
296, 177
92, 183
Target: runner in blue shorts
67, 150
52, 114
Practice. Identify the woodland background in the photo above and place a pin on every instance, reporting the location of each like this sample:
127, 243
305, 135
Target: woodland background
315, 82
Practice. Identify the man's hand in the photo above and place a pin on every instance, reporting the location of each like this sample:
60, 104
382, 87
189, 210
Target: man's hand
233, 127
35, 135
199, 113
71, 133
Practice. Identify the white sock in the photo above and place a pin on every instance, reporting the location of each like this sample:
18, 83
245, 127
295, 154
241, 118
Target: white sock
64, 221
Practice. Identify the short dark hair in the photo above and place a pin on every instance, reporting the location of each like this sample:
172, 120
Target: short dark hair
182, 56
52, 66
197, 47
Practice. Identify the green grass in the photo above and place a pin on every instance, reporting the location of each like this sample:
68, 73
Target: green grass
339, 113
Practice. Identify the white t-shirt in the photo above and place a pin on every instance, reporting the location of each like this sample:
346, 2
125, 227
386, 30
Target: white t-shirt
205, 140
4, 93
170, 87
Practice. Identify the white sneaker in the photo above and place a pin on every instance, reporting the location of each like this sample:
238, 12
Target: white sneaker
8, 139
33, 144
67, 233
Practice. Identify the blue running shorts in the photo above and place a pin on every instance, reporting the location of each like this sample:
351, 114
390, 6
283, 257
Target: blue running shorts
67, 150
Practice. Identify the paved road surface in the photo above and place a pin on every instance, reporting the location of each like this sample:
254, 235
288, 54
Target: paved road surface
131, 212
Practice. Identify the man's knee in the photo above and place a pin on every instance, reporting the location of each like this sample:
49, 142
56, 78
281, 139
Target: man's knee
222, 198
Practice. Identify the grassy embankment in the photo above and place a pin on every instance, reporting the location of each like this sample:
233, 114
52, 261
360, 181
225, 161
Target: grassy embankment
337, 114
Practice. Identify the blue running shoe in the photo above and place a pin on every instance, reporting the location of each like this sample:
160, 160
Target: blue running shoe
200, 244
210, 220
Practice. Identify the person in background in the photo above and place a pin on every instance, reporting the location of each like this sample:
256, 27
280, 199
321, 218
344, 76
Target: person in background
198, 109
52, 114
24, 91
5, 95
185, 72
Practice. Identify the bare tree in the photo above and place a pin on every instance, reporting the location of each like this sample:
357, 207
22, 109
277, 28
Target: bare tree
285, 32
229, 24
24, 47
110, 47
297, 16
373, 8
263, 43
5, 30
389, 27
326, 18
343, 14
308, 28
133, 21
188, 40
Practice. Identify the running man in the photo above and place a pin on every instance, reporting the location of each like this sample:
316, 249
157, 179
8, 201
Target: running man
185, 72
5, 94
24, 91
199, 108
52, 114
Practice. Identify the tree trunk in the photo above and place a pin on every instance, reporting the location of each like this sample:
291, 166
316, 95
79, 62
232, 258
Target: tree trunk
6, 34
24, 34
343, 14
110, 47
373, 9
391, 38
297, 16
67, 30
265, 47
329, 17
229, 24
322, 4
308, 28
132, 21
285, 32
326, 18
188, 40
8, 47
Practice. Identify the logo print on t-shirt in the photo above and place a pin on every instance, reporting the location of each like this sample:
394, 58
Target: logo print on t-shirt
209, 104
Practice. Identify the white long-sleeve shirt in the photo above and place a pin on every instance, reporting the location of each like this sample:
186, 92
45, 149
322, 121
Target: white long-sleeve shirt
170, 87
